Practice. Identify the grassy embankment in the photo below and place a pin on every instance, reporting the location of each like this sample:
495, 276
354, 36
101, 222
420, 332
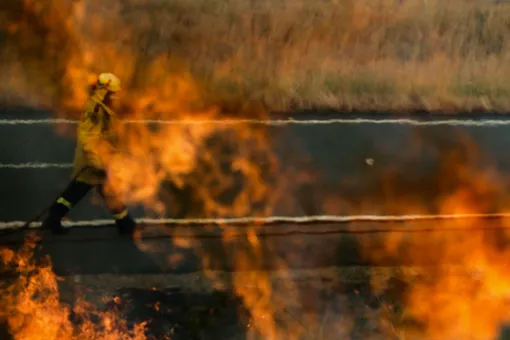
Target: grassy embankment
364, 54
289, 54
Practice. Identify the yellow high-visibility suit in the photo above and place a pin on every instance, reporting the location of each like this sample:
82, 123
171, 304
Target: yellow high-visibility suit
96, 141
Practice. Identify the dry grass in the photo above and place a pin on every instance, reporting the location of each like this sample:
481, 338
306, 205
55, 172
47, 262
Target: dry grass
353, 54
349, 54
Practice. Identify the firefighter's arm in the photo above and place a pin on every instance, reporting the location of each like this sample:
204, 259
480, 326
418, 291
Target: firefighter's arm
94, 145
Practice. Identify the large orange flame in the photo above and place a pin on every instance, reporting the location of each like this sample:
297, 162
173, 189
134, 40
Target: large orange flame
229, 170
30, 304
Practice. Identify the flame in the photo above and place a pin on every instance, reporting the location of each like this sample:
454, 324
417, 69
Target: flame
465, 293
32, 309
230, 170
469, 304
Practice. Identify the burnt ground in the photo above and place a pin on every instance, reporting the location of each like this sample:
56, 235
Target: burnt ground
327, 291
190, 308
321, 303
326, 303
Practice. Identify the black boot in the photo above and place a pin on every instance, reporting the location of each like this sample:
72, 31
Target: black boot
126, 226
55, 225
53, 221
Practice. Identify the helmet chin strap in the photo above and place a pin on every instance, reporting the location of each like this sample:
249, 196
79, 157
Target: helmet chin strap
99, 96
100, 93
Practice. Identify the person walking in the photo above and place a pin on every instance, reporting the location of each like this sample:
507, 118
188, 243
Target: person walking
95, 149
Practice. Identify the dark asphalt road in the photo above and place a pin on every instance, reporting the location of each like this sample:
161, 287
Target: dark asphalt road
414, 166
93, 250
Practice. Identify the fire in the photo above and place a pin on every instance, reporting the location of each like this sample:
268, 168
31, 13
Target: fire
465, 293
230, 170
469, 304
31, 307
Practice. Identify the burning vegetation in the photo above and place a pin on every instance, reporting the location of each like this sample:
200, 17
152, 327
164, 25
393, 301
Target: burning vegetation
229, 171
31, 306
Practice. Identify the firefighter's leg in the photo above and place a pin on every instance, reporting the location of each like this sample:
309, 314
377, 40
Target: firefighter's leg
73, 194
125, 223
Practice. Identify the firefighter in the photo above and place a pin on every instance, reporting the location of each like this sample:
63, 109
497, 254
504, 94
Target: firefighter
96, 146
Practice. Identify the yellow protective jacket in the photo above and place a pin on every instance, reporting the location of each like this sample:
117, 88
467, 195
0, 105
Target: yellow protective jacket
96, 140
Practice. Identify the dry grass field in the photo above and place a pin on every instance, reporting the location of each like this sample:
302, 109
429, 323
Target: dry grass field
290, 54
347, 54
